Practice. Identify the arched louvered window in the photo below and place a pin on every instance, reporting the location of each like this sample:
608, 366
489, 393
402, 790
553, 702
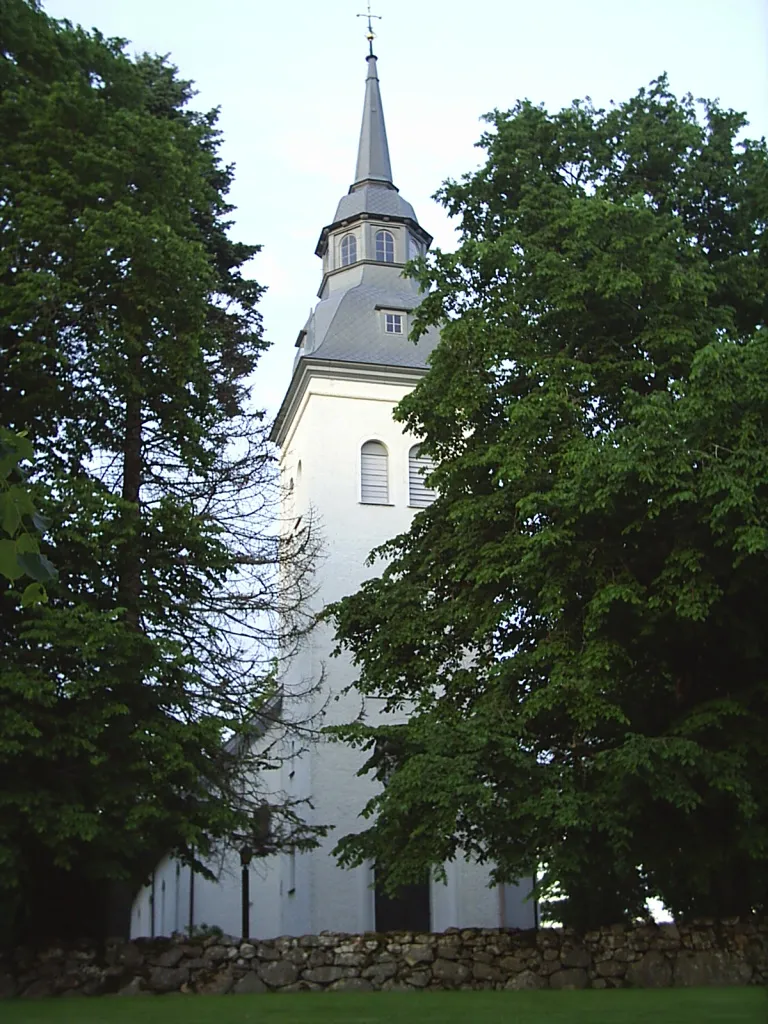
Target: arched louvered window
374, 474
385, 247
419, 466
348, 250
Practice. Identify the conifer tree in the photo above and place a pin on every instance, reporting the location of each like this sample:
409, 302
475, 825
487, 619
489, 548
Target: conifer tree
129, 331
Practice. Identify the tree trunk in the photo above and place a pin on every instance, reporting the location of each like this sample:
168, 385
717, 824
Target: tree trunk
130, 572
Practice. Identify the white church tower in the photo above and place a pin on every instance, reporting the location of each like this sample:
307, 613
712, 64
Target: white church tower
344, 457
345, 461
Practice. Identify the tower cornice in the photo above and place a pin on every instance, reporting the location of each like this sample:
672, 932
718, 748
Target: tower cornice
332, 369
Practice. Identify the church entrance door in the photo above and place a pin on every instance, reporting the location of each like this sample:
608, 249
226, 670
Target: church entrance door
408, 911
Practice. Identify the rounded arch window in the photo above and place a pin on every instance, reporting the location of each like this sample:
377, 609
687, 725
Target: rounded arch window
419, 466
348, 250
385, 247
374, 473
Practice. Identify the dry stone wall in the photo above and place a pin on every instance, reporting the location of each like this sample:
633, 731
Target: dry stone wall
733, 952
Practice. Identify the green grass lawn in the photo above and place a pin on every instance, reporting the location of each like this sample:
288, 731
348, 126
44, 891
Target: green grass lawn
621, 1006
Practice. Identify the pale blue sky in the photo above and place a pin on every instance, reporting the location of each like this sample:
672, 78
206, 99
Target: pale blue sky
289, 80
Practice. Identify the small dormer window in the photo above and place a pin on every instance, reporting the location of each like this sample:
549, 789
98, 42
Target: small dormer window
385, 247
348, 250
393, 323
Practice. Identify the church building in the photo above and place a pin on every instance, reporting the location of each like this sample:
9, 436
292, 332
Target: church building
346, 463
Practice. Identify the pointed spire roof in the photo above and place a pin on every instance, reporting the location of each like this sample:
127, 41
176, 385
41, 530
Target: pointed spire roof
373, 152
372, 194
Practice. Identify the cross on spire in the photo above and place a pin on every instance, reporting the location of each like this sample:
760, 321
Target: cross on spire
370, 34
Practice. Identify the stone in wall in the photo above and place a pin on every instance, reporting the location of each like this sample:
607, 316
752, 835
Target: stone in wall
653, 970
712, 967
570, 978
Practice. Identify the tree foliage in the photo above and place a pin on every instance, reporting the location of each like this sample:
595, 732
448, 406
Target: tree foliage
128, 333
577, 621
20, 522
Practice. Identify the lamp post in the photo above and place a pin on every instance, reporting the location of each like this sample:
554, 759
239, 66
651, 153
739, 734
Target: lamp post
245, 891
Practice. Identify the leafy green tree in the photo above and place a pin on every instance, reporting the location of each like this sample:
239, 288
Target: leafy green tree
577, 622
20, 522
128, 333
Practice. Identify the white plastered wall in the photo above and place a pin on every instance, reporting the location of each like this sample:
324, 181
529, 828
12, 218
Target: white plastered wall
334, 419
309, 893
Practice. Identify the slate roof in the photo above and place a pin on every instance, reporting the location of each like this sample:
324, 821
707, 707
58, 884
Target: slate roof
348, 326
373, 151
374, 199
373, 191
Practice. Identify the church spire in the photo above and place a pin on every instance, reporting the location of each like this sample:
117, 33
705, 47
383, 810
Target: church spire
373, 152
372, 197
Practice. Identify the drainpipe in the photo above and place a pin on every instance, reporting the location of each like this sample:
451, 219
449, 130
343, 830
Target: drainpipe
191, 899
152, 908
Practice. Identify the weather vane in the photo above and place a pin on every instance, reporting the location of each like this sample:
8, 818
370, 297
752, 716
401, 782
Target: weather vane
370, 34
